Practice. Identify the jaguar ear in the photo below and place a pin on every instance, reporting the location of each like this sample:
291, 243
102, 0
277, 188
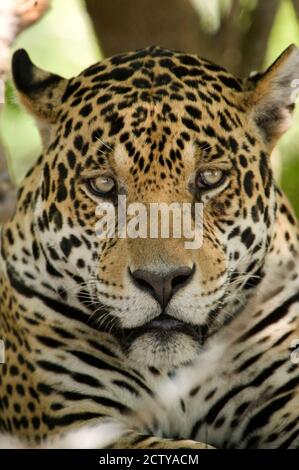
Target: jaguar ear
40, 92
271, 95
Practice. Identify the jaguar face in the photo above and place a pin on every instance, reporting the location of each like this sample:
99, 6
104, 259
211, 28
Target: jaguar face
154, 126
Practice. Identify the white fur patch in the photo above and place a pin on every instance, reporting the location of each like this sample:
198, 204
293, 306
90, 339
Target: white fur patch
87, 437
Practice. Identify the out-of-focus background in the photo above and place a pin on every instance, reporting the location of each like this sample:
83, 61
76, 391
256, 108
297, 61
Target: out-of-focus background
242, 35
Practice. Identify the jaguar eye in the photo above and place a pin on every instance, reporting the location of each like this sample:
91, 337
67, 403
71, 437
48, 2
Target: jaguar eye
101, 186
209, 179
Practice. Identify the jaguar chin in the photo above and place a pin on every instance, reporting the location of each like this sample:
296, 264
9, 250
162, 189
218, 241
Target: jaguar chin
164, 342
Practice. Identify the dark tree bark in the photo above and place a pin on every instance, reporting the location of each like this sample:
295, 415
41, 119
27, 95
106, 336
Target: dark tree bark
124, 25
296, 6
255, 40
238, 45
223, 47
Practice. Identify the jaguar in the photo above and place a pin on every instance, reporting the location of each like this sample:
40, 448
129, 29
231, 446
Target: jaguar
160, 345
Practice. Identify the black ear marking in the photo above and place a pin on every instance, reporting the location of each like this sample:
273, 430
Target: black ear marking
28, 78
22, 70
39, 91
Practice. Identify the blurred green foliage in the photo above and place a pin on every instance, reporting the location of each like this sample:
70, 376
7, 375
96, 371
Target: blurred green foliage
64, 42
286, 31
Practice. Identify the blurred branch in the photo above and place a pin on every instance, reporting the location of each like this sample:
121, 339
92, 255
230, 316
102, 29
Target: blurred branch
8, 30
15, 15
222, 47
237, 46
296, 7
29, 11
255, 40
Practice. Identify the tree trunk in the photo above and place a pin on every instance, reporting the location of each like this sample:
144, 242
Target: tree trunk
239, 44
124, 25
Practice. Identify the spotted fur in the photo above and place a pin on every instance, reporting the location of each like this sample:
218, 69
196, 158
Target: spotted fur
85, 344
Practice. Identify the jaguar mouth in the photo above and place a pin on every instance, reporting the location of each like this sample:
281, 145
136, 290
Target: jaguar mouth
163, 328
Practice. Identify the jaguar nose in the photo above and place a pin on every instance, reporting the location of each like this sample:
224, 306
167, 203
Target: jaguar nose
162, 286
